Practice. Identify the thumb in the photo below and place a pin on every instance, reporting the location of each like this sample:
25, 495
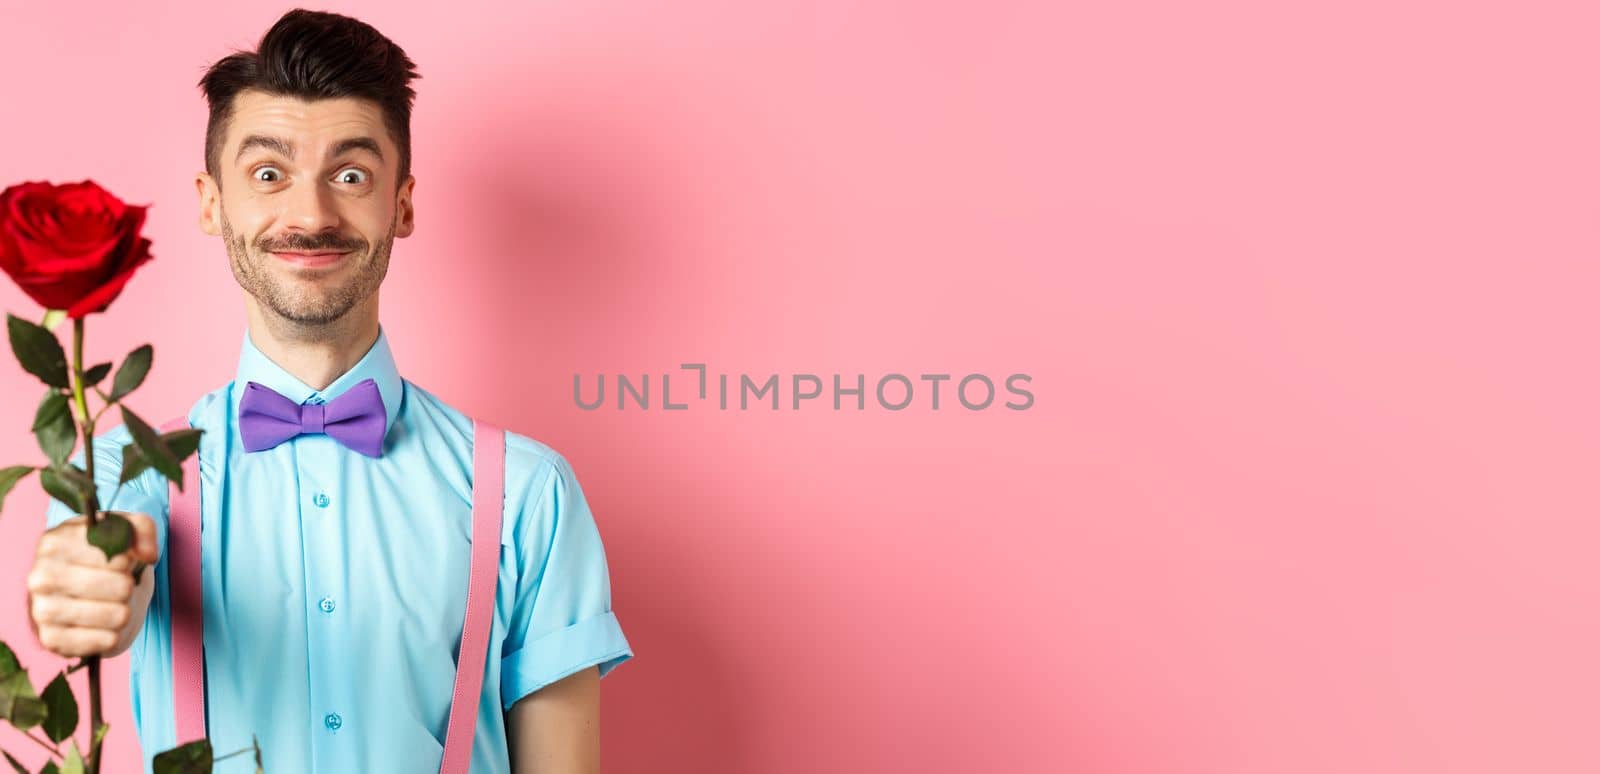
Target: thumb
145, 548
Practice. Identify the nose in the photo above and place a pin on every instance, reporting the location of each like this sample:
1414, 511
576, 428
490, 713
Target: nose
309, 208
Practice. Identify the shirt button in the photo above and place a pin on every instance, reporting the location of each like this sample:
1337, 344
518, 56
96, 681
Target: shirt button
322, 499
326, 604
332, 721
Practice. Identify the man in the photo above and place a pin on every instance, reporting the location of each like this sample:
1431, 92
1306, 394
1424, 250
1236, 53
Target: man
334, 577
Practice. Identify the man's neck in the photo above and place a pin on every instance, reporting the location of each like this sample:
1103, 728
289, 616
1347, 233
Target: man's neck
314, 355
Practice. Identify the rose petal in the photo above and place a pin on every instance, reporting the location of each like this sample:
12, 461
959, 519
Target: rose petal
101, 297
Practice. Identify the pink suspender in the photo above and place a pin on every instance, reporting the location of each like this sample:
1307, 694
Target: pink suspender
183, 569
488, 467
183, 584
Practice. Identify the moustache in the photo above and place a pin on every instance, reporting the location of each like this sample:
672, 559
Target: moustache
303, 243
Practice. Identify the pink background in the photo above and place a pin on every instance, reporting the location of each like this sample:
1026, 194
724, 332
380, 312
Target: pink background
1308, 299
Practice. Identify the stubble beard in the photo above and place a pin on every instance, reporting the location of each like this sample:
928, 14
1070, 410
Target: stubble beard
300, 305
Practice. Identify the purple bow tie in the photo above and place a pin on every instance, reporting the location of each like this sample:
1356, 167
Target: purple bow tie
355, 419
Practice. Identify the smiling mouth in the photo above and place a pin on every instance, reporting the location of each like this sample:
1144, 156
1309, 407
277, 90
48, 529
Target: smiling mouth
311, 258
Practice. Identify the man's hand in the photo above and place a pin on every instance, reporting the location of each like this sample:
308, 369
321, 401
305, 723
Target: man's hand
79, 603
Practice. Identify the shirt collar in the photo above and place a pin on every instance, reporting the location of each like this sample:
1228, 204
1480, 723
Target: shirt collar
377, 364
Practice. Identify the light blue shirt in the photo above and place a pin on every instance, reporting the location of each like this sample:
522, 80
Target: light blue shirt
335, 583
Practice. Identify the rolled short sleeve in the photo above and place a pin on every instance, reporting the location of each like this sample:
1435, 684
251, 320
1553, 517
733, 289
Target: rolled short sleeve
133, 497
561, 621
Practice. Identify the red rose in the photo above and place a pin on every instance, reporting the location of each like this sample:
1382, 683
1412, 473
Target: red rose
70, 246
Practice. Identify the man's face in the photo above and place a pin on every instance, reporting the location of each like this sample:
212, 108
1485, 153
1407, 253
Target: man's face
307, 203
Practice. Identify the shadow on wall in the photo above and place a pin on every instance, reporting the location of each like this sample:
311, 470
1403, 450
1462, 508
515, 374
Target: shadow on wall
566, 220
680, 709
567, 224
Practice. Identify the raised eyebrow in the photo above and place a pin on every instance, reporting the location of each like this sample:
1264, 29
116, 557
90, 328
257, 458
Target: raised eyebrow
282, 148
274, 144
357, 143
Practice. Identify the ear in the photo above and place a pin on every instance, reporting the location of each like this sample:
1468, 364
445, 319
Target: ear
406, 215
210, 204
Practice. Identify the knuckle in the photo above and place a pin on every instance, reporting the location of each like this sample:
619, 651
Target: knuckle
73, 527
45, 609
122, 588
119, 616
40, 580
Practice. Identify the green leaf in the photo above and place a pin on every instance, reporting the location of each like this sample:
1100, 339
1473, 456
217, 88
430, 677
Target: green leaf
8, 662
62, 484
95, 373
133, 463
15, 764
183, 442
111, 533
50, 768
62, 719
18, 703
73, 764
52, 318
132, 372
38, 351
99, 736
53, 425
13, 686
9, 478
28, 712
53, 407
153, 449
191, 758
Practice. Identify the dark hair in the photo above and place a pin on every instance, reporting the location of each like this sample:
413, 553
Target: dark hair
315, 55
